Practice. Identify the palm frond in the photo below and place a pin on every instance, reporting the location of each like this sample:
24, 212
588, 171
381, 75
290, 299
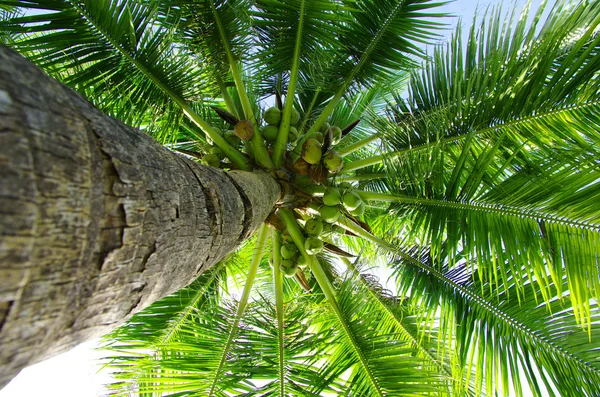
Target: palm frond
112, 52
543, 80
381, 361
481, 323
482, 184
294, 29
199, 31
381, 38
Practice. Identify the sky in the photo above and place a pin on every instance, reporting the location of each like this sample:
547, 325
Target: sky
77, 373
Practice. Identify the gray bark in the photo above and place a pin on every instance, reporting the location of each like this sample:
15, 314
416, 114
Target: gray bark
97, 220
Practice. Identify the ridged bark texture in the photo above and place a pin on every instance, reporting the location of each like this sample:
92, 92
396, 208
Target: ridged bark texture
97, 220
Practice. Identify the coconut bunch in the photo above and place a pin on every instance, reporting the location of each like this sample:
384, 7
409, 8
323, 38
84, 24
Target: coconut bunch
341, 198
315, 228
272, 119
337, 201
319, 211
318, 159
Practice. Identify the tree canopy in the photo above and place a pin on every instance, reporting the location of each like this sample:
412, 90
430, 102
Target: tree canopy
477, 166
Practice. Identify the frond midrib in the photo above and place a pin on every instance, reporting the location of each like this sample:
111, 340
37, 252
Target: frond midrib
127, 56
396, 320
543, 342
355, 165
363, 59
483, 207
255, 262
507, 319
347, 330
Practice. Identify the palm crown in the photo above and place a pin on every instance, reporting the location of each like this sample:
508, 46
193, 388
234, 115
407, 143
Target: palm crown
480, 185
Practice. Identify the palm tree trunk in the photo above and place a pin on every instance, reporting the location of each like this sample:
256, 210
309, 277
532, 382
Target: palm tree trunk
97, 220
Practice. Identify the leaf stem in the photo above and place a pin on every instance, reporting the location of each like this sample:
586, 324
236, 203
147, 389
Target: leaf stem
513, 324
357, 178
225, 95
234, 155
309, 110
284, 127
398, 321
358, 164
355, 165
258, 145
278, 285
474, 206
346, 150
365, 56
288, 219
259, 250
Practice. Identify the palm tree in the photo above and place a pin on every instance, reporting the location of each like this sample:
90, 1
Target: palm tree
478, 190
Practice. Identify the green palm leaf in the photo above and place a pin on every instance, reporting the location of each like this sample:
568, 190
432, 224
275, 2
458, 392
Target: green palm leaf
113, 53
484, 324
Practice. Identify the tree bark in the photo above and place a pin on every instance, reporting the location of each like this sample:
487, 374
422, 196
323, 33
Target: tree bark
97, 220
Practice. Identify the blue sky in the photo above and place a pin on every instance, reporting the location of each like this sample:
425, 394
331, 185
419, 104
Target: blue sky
75, 373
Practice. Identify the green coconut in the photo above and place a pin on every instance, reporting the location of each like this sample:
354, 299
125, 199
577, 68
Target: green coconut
337, 133
319, 137
330, 213
311, 151
272, 116
314, 227
360, 210
295, 117
345, 186
301, 262
327, 229
293, 134
269, 133
288, 267
288, 251
232, 139
333, 162
212, 160
313, 245
218, 152
324, 127
351, 200
332, 196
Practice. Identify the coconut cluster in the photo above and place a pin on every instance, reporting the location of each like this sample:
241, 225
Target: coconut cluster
215, 156
272, 118
318, 159
337, 200
316, 164
314, 230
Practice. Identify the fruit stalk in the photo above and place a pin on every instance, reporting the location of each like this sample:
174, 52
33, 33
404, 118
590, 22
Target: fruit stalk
258, 146
358, 178
289, 220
